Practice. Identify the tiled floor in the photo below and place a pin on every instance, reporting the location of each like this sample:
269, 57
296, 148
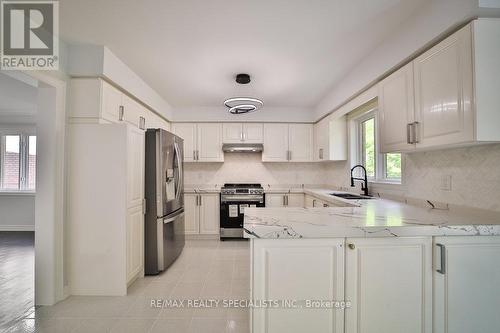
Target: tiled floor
207, 269
16, 276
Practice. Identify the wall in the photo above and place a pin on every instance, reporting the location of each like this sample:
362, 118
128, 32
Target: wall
429, 24
240, 168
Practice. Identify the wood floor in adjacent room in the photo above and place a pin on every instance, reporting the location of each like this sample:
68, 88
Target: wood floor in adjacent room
16, 276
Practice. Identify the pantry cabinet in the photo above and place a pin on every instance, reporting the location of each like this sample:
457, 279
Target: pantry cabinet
284, 200
242, 133
446, 96
201, 213
202, 141
466, 293
105, 207
288, 143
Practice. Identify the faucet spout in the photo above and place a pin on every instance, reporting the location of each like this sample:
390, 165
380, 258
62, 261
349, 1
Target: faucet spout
364, 184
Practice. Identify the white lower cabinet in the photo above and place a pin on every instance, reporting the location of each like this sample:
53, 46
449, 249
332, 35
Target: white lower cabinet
389, 284
312, 202
298, 269
201, 213
284, 200
466, 288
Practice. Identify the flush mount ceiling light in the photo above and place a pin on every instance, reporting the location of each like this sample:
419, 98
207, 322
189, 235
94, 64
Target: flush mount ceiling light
242, 105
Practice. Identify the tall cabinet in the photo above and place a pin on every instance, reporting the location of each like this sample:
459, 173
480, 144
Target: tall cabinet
106, 187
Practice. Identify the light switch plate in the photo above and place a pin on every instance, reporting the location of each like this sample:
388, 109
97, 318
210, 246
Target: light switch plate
446, 183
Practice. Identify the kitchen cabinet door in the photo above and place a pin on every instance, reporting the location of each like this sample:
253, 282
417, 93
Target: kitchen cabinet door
135, 167
112, 101
232, 133
321, 136
135, 242
300, 141
275, 199
253, 133
443, 92
466, 296
192, 213
210, 142
389, 284
132, 111
298, 269
396, 110
295, 200
187, 131
209, 214
275, 143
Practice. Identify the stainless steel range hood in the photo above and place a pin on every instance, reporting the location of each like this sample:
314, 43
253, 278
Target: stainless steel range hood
242, 147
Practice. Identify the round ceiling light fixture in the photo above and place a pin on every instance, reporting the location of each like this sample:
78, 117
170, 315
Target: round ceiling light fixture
242, 105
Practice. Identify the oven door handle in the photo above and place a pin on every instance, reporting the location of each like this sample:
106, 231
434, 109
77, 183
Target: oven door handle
240, 198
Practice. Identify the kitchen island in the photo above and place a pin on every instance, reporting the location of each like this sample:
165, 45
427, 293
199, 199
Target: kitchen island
391, 267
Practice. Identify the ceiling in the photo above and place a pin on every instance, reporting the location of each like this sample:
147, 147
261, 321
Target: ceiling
190, 50
17, 97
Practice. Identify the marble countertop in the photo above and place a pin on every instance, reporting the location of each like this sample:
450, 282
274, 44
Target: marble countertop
367, 218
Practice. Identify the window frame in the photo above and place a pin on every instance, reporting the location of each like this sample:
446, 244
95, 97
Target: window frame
24, 133
380, 158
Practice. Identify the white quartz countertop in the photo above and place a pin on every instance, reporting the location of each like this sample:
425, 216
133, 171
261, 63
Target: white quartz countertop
367, 218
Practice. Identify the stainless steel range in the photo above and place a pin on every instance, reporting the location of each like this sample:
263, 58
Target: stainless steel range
234, 198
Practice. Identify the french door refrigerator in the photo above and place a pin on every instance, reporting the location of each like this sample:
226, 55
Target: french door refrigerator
164, 192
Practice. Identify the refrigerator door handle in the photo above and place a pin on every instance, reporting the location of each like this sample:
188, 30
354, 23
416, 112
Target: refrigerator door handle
172, 219
179, 167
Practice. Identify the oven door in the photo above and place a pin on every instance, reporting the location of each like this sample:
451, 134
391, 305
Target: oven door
232, 210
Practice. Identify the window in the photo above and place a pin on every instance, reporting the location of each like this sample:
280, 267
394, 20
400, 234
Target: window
379, 167
17, 162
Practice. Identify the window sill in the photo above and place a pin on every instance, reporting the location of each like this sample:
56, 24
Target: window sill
385, 182
17, 193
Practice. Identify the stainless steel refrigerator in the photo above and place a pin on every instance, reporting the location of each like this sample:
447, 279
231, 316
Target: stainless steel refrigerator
164, 220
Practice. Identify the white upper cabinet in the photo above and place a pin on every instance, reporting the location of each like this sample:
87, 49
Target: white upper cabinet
232, 132
202, 141
330, 139
242, 133
210, 143
288, 143
94, 100
275, 143
396, 110
300, 142
454, 99
253, 133
443, 92
187, 131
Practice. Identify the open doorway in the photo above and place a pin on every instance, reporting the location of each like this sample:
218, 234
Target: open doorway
31, 193
18, 110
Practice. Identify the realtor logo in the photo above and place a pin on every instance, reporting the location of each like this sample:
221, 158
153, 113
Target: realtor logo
29, 35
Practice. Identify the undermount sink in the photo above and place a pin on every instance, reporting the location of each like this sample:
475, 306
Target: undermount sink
350, 196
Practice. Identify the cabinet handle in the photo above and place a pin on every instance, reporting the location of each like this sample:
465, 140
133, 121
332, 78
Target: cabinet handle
142, 123
442, 266
351, 246
416, 130
286, 200
201, 202
314, 203
194, 155
143, 206
197, 155
121, 113
321, 153
408, 134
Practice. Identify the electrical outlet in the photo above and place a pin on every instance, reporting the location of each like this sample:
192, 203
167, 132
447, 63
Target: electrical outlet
446, 183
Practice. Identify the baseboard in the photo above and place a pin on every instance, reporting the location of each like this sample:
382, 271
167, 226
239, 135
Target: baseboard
17, 227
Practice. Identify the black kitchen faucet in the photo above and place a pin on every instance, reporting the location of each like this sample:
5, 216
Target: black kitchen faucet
364, 184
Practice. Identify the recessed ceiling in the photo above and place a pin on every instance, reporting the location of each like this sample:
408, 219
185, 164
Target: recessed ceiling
190, 50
